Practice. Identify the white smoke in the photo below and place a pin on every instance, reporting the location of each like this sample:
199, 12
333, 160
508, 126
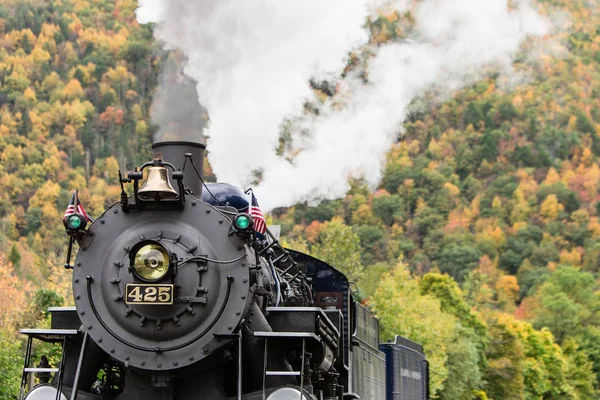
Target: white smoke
252, 61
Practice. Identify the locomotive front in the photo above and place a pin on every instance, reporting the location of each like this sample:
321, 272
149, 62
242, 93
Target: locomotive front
157, 284
160, 279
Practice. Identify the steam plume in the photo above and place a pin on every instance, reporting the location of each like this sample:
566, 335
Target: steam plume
175, 107
252, 61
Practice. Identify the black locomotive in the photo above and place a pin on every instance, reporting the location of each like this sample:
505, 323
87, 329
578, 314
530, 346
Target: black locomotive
177, 297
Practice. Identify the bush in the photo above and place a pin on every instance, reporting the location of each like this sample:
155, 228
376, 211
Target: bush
11, 362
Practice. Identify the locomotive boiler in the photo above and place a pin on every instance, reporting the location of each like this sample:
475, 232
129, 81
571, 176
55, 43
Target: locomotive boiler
179, 296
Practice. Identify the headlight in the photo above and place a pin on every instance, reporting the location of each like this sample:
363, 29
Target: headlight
287, 393
151, 261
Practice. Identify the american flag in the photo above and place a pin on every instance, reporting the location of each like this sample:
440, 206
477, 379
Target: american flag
260, 225
75, 204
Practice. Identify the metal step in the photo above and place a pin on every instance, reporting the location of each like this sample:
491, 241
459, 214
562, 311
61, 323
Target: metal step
49, 335
40, 369
291, 335
60, 309
283, 373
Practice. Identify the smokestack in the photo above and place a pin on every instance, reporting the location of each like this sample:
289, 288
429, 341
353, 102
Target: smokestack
174, 153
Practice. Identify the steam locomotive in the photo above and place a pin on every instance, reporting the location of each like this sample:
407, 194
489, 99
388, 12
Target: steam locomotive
177, 297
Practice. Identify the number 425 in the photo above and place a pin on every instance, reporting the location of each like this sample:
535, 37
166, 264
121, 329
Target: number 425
150, 294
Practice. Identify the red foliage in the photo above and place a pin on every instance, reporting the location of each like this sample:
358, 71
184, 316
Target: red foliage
112, 116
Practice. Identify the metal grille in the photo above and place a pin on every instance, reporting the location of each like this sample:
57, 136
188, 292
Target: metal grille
368, 374
358, 385
409, 374
407, 369
366, 326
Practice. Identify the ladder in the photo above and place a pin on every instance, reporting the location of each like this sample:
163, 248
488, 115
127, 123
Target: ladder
48, 336
284, 335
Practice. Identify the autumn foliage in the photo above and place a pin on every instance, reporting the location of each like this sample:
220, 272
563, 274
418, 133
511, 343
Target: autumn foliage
482, 241
498, 189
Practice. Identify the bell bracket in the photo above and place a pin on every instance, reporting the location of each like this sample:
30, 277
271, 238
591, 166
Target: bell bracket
152, 204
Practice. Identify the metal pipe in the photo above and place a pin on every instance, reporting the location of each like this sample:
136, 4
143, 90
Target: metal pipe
61, 368
26, 364
302, 369
265, 368
427, 394
79, 364
69, 251
240, 367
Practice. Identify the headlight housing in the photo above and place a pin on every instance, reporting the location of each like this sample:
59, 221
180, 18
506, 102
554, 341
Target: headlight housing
243, 221
287, 393
75, 222
243, 224
44, 391
150, 261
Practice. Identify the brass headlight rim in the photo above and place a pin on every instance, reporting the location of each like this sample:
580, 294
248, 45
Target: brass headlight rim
134, 252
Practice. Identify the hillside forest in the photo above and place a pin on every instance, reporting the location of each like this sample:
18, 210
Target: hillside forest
482, 241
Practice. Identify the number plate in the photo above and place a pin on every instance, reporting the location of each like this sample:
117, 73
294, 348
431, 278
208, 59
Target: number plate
157, 294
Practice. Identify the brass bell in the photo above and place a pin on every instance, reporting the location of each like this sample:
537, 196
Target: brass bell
157, 185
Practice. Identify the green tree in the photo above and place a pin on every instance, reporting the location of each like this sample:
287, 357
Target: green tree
453, 302
489, 145
387, 208
403, 310
467, 349
458, 259
473, 115
464, 367
544, 366
371, 241
505, 355
15, 257
11, 363
569, 303
371, 277
580, 373
584, 124
339, 246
